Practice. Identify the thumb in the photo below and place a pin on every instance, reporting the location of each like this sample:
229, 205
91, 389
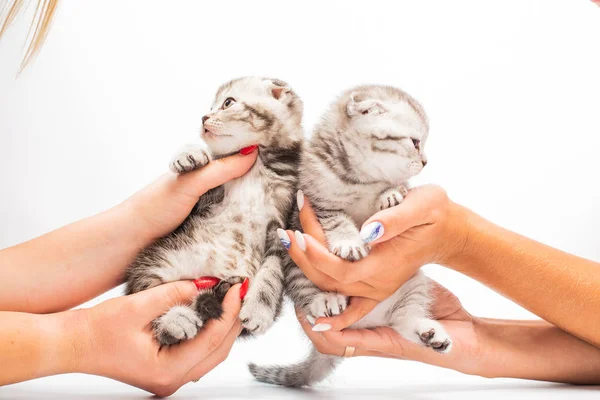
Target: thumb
358, 308
215, 173
418, 208
154, 302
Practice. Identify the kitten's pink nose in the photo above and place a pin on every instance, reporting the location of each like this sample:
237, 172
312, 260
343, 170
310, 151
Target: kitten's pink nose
204, 119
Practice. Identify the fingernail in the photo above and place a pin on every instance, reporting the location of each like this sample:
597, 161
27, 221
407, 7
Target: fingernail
300, 240
321, 327
206, 282
244, 288
285, 239
310, 319
300, 199
371, 232
247, 150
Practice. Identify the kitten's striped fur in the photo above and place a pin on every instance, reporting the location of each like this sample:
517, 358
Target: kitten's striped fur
231, 233
369, 143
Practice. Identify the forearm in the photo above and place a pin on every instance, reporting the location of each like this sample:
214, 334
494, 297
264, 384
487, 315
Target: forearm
559, 287
32, 346
535, 350
70, 265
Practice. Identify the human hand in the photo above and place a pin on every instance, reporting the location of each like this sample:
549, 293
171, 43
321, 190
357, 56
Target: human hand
164, 204
426, 228
115, 339
467, 349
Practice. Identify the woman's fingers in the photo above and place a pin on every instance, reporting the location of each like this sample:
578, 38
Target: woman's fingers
190, 352
358, 308
343, 271
216, 357
418, 208
314, 264
308, 219
383, 340
215, 173
152, 303
325, 347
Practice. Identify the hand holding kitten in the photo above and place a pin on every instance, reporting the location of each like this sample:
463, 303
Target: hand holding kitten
163, 205
114, 339
425, 228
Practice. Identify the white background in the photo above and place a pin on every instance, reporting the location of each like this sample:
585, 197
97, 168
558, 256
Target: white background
512, 89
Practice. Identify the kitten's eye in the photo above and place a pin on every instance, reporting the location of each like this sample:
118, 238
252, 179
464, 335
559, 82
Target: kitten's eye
416, 143
365, 112
228, 102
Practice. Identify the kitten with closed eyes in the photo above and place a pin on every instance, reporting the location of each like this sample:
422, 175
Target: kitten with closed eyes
358, 162
231, 233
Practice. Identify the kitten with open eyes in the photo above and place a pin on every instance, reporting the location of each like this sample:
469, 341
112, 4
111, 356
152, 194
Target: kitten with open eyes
231, 233
369, 143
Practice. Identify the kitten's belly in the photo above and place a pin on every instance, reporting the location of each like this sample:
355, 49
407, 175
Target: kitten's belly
228, 243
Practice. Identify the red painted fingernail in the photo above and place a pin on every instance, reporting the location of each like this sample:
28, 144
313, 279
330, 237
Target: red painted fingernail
247, 150
206, 282
244, 288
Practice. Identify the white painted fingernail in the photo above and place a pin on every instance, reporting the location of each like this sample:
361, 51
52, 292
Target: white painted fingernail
300, 240
300, 199
321, 327
371, 232
285, 239
310, 319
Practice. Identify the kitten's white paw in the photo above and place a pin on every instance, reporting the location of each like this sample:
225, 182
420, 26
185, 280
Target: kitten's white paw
256, 316
177, 324
392, 197
352, 249
327, 304
432, 334
189, 158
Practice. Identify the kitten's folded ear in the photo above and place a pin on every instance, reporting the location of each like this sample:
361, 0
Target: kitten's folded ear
358, 105
279, 89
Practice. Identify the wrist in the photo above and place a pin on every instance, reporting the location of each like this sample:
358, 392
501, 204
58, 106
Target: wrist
68, 347
456, 235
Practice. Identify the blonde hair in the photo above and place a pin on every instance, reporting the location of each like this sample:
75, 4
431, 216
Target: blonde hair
38, 30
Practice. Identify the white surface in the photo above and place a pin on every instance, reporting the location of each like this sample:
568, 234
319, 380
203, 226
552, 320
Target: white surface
512, 89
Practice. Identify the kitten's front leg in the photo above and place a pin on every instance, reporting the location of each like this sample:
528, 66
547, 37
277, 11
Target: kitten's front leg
342, 235
190, 157
391, 197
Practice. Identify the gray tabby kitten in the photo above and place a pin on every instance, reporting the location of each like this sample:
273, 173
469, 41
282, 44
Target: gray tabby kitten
231, 233
369, 143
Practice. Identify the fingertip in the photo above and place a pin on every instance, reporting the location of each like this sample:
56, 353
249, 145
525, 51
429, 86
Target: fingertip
372, 232
232, 300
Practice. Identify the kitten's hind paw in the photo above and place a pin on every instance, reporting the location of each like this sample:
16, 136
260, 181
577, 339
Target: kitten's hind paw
433, 335
179, 323
189, 158
327, 304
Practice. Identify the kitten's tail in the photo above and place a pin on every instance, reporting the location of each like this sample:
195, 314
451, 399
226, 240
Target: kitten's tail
313, 369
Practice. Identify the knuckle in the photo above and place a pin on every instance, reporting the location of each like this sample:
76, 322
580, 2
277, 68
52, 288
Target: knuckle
175, 293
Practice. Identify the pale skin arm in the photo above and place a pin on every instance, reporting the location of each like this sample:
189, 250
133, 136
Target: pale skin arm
87, 258
428, 228
485, 347
114, 339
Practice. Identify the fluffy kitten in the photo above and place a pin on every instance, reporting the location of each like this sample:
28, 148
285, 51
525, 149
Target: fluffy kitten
369, 143
231, 233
